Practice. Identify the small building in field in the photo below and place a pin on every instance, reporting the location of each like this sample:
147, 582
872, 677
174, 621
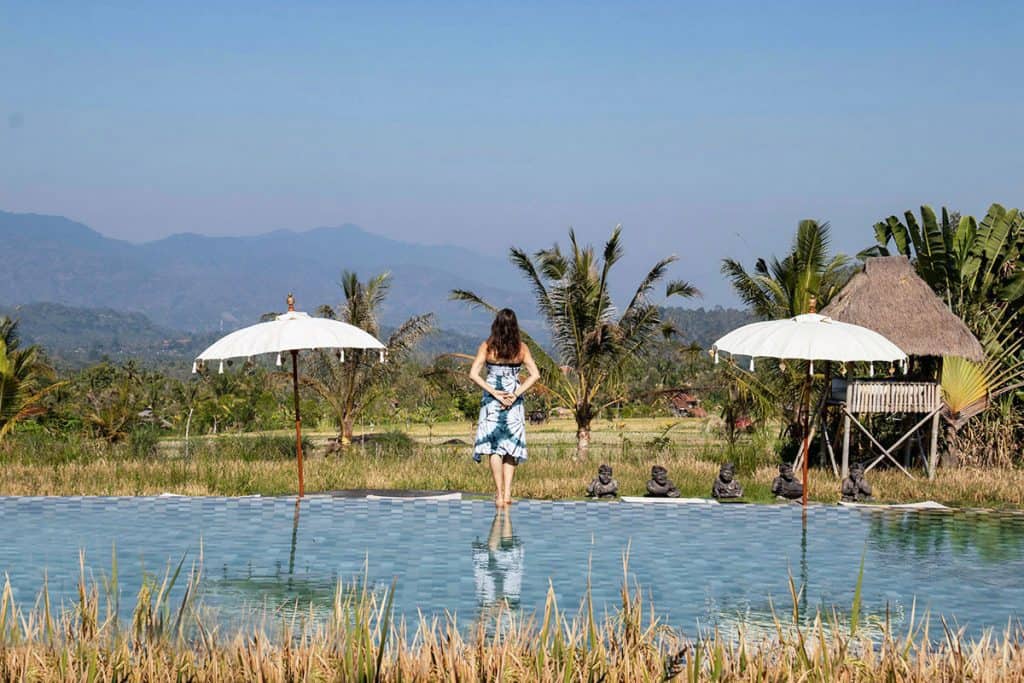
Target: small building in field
683, 404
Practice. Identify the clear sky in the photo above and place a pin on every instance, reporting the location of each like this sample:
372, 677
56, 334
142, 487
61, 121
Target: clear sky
707, 129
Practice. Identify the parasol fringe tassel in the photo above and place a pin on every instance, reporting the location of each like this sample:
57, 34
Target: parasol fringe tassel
279, 361
220, 370
195, 367
751, 363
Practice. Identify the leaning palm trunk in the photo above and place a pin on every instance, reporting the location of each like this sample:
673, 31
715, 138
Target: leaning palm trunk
591, 342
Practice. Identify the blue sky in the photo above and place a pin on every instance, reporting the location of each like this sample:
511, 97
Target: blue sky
706, 129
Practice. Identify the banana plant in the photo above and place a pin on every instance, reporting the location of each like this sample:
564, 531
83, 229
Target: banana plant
974, 266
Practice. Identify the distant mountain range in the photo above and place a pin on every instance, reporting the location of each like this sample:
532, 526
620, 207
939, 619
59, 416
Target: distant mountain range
76, 337
196, 283
84, 296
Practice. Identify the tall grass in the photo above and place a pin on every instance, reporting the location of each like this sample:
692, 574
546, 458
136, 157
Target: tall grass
38, 464
360, 641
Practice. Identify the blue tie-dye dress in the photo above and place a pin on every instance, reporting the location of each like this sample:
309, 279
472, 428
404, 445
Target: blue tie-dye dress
501, 431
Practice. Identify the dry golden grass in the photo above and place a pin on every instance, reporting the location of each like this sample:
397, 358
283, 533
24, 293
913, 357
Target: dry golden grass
359, 642
229, 465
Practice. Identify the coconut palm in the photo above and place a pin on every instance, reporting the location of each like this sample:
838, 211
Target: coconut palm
782, 289
22, 374
350, 382
592, 340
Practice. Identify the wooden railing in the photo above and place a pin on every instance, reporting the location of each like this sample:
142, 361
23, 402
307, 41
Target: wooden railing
892, 397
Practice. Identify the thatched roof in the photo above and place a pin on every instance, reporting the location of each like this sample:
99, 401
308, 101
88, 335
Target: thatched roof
891, 299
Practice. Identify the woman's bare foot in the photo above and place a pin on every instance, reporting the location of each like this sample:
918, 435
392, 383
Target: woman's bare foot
499, 502
508, 500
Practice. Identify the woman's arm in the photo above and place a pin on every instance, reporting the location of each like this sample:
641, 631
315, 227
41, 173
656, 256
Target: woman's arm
531, 368
474, 374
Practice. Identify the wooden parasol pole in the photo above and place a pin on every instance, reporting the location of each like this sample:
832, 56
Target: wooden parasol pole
807, 433
298, 416
812, 307
298, 419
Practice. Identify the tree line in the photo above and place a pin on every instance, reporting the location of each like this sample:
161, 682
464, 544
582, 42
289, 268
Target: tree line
601, 356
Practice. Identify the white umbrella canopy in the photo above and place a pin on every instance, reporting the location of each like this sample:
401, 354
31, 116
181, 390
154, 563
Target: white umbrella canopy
808, 337
291, 332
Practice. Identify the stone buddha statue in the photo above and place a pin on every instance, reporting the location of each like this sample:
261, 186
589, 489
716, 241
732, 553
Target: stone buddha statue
785, 485
660, 486
603, 485
856, 488
726, 487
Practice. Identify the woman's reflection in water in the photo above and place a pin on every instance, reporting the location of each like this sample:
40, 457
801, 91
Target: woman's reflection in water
498, 567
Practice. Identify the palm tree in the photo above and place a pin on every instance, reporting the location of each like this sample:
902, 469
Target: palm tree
782, 289
349, 385
22, 373
591, 339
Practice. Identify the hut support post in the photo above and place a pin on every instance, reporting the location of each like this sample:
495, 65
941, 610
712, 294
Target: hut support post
886, 452
846, 436
933, 449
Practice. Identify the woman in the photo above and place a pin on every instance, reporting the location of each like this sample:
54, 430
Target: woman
501, 431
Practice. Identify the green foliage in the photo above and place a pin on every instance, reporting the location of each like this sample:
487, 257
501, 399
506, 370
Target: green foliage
975, 267
143, 441
22, 373
779, 289
701, 327
972, 265
75, 337
592, 342
782, 289
349, 387
259, 447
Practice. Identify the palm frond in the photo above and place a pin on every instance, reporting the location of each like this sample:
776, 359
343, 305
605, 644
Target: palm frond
472, 299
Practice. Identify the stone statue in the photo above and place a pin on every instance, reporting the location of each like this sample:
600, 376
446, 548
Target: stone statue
726, 486
603, 485
785, 485
855, 487
660, 486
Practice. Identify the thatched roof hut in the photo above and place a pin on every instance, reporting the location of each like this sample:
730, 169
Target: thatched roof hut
891, 299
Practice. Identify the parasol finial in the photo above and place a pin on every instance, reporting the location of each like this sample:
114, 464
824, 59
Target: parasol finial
291, 302
812, 304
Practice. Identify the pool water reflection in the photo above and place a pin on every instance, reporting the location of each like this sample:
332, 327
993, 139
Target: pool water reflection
699, 564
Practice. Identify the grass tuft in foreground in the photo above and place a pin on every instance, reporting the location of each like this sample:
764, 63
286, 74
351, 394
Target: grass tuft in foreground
359, 641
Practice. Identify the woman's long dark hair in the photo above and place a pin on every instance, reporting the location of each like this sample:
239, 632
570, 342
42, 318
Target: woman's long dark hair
504, 342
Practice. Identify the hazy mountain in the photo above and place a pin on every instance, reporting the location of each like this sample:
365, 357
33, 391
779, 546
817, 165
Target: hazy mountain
704, 326
75, 337
192, 282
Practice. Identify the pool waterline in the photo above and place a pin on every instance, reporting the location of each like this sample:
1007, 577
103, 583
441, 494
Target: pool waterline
699, 564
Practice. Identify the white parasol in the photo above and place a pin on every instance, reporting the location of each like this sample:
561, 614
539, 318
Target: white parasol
291, 332
808, 337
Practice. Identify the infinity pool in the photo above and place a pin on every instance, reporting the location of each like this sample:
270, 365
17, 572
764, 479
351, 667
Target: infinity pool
706, 565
